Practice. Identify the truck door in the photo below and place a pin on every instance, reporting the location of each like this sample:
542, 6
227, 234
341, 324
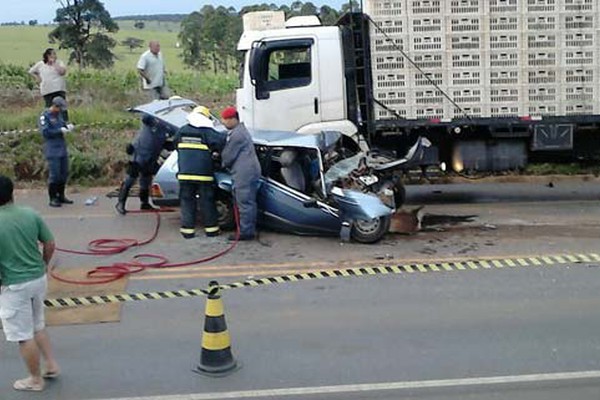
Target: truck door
284, 74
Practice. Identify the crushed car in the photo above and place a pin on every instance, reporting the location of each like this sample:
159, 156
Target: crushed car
311, 184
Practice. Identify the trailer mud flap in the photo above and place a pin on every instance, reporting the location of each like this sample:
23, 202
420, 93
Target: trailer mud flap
552, 137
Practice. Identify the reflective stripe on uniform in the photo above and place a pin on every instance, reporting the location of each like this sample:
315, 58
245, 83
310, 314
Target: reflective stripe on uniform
192, 146
211, 229
200, 178
187, 231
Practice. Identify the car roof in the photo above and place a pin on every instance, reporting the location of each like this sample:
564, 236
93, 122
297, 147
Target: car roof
174, 111
321, 140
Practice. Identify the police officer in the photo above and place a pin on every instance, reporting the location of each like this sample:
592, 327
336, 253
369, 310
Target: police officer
239, 156
195, 143
144, 151
53, 128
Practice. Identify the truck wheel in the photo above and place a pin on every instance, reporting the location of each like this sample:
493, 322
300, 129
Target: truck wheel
370, 231
399, 195
226, 215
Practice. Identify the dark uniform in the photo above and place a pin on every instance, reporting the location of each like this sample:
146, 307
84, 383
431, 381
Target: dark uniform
239, 156
146, 149
52, 126
196, 177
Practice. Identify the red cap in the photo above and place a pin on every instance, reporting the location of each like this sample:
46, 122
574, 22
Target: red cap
229, 112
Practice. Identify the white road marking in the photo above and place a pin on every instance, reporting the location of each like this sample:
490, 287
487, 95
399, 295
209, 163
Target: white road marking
372, 387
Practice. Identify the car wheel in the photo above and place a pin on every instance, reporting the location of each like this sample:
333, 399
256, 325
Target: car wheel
370, 231
226, 215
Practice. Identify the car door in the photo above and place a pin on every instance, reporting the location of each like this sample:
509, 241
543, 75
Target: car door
286, 84
285, 209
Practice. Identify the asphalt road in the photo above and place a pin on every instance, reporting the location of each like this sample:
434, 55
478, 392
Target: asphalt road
519, 333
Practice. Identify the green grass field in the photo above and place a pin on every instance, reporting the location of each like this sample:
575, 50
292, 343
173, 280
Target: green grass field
24, 45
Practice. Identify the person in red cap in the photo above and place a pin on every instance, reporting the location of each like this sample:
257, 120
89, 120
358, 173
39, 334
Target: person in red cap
239, 156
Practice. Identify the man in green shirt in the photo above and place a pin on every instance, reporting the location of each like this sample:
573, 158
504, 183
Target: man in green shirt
24, 285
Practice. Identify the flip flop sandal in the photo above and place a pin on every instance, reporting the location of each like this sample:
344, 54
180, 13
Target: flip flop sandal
51, 374
27, 386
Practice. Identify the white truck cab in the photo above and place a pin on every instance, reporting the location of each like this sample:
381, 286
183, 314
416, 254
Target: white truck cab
292, 78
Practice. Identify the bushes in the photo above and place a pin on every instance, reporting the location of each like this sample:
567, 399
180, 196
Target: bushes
96, 156
16, 77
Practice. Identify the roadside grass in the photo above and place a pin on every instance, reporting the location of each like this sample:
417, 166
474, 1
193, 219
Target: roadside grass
24, 45
97, 156
100, 96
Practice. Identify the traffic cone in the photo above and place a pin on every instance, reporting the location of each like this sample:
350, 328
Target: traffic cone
216, 358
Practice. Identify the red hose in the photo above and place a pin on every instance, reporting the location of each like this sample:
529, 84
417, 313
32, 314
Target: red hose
110, 273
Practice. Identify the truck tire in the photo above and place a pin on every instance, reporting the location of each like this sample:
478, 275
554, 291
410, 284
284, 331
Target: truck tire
372, 231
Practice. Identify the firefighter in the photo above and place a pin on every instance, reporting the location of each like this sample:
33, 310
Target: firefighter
197, 143
53, 128
239, 156
144, 152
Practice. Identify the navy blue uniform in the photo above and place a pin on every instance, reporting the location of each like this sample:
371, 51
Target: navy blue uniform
147, 146
239, 156
55, 151
196, 177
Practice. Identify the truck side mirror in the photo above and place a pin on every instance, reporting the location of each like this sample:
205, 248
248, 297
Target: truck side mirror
257, 69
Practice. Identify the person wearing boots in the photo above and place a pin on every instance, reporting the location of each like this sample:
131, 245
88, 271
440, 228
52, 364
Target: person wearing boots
144, 152
53, 128
196, 143
239, 156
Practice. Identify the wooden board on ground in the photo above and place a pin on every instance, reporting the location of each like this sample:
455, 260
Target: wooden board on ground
85, 314
406, 221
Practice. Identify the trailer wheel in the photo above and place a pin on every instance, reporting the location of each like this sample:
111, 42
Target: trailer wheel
370, 231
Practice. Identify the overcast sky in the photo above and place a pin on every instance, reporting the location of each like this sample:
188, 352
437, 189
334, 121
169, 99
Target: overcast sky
45, 10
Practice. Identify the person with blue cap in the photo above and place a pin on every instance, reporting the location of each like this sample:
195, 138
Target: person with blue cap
144, 152
53, 128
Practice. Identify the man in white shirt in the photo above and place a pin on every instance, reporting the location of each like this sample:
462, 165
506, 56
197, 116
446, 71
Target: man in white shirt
151, 68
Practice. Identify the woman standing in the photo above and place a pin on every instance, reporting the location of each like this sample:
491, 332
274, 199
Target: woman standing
50, 74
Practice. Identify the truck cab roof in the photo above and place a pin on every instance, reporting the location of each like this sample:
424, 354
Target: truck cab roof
249, 37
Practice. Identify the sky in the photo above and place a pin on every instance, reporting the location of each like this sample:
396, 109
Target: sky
45, 10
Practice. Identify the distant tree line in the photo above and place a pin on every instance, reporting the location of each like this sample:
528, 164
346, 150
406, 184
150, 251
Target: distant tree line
154, 17
31, 22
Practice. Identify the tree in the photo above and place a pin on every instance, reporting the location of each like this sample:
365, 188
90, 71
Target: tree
82, 27
139, 25
328, 15
33, 22
190, 36
132, 43
308, 9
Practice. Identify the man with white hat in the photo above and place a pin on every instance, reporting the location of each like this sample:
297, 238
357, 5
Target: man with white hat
195, 143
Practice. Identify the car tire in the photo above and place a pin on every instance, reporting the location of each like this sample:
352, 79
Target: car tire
226, 214
370, 231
